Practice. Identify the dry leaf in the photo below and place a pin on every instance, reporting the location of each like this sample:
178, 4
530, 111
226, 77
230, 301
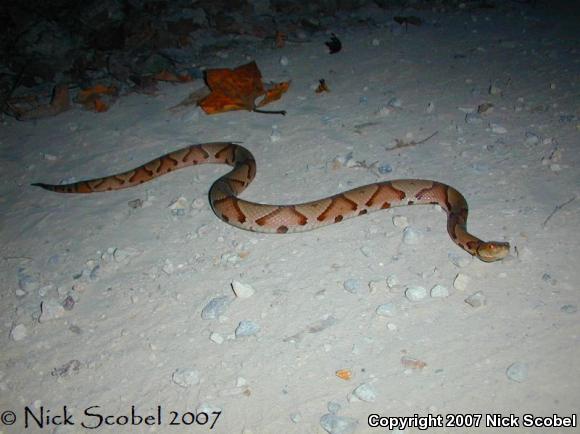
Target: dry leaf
322, 87
59, 103
238, 89
91, 98
280, 39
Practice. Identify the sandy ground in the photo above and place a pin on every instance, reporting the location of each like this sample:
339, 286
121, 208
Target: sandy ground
135, 280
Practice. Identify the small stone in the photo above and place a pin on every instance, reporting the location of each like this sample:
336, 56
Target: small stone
461, 282
334, 424
20, 293
494, 90
375, 42
385, 168
531, 139
415, 293
497, 129
395, 103
50, 309
49, 157
412, 236
569, 308
28, 283
124, 255
135, 203
400, 221
378, 286
412, 363
392, 281
72, 367
473, 118
477, 299
216, 338
386, 309
333, 407
68, 303
392, 327
486, 107
430, 108
246, 328
295, 417
18, 332
439, 291
185, 377
284, 61
216, 307
168, 267
459, 260
275, 135
352, 285
517, 372
242, 290
178, 206
198, 203
365, 392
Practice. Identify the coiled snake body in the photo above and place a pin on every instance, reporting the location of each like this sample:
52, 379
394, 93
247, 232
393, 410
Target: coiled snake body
256, 217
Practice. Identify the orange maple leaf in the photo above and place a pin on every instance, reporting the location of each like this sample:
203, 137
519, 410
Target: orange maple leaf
238, 89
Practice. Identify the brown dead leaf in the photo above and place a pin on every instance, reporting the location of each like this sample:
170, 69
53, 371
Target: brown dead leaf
238, 89
322, 87
60, 102
91, 98
280, 39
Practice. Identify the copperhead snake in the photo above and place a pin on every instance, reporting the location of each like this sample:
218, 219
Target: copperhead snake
257, 217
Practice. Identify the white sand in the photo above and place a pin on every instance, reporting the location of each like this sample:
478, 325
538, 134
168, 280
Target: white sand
136, 322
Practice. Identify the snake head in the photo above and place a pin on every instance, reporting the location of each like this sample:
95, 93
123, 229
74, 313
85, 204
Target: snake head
492, 251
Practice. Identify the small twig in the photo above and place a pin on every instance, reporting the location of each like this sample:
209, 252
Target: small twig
268, 112
556, 209
402, 144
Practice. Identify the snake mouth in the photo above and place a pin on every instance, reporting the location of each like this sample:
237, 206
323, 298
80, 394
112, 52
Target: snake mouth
493, 251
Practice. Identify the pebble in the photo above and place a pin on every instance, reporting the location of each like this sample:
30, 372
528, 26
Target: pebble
569, 308
19, 332
123, 255
430, 108
185, 377
135, 203
497, 129
384, 111
392, 281
400, 221
275, 135
517, 372
50, 309
284, 61
412, 236
28, 283
216, 307
365, 392
333, 407
531, 139
412, 362
461, 281
386, 309
494, 90
378, 286
168, 267
415, 293
295, 417
385, 168
376, 42
395, 103
459, 260
473, 118
179, 206
392, 327
216, 338
477, 299
439, 291
353, 285
334, 424
242, 290
199, 203
246, 328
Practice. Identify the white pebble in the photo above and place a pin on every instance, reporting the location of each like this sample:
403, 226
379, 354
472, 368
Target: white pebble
216, 338
412, 236
376, 42
386, 309
352, 285
392, 327
284, 61
242, 290
400, 221
497, 129
461, 282
216, 307
430, 107
439, 291
477, 299
415, 293
18, 333
334, 424
50, 309
517, 372
246, 328
178, 206
186, 377
365, 392
392, 281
